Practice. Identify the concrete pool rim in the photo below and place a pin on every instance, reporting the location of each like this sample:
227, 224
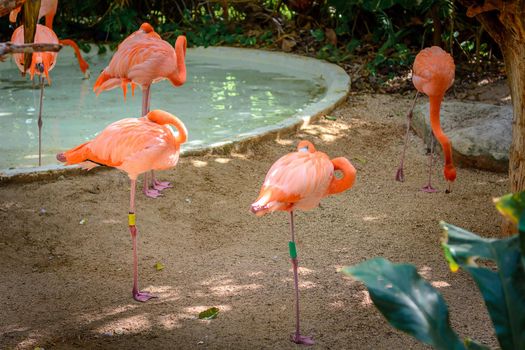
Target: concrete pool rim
337, 84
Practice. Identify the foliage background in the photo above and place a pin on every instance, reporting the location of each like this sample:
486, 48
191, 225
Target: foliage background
376, 38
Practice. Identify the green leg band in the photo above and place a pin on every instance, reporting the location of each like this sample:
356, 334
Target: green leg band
293, 250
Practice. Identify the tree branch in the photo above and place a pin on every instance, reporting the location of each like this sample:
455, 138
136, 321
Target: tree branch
7, 6
9, 47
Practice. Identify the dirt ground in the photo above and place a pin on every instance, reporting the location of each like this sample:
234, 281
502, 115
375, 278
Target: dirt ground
65, 274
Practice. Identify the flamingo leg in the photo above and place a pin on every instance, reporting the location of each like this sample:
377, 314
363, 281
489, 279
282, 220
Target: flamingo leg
157, 185
400, 176
428, 188
145, 99
149, 192
296, 337
153, 192
40, 123
137, 295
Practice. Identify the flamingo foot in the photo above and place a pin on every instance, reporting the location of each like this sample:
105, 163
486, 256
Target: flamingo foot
301, 339
152, 193
142, 296
161, 185
449, 188
400, 176
429, 189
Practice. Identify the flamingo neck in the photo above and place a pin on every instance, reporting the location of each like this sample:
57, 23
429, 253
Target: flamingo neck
435, 106
162, 118
179, 76
81, 63
345, 182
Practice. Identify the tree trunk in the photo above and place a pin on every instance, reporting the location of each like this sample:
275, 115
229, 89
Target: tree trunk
514, 54
505, 22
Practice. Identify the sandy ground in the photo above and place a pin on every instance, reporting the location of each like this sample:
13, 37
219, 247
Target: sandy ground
67, 285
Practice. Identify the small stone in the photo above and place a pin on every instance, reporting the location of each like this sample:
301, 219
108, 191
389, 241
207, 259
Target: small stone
200, 342
42, 212
61, 177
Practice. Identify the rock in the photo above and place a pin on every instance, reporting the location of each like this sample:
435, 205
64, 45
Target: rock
480, 133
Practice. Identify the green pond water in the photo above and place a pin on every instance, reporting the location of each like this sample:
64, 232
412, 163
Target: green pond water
221, 100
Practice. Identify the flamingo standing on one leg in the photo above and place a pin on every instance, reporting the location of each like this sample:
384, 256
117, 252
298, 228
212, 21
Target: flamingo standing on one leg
41, 64
134, 145
143, 58
299, 180
48, 9
433, 74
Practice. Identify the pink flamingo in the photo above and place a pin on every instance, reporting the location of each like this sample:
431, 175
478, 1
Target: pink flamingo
299, 180
48, 9
433, 75
143, 58
41, 64
134, 145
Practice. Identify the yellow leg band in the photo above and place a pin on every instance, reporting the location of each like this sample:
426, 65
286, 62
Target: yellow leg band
131, 219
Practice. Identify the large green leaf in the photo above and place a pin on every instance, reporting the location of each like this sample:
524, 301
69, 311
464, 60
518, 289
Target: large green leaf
512, 205
408, 302
502, 288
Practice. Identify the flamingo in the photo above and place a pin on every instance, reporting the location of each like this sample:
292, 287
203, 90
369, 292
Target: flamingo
48, 9
143, 58
299, 180
433, 75
135, 146
41, 64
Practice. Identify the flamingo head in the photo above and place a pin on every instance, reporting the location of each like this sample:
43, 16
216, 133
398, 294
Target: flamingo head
305, 146
146, 27
42, 63
450, 172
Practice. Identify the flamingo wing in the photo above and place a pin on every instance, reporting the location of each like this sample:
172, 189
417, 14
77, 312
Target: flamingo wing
141, 60
126, 139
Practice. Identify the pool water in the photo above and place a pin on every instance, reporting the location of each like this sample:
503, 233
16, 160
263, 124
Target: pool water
225, 96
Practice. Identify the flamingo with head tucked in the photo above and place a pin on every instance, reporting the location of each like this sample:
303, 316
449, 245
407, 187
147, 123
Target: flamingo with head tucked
433, 74
133, 145
143, 58
299, 180
48, 9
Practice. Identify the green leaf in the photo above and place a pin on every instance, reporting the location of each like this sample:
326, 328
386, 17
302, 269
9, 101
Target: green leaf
159, 266
473, 345
318, 34
512, 205
503, 289
330, 117
209, 314
407, 301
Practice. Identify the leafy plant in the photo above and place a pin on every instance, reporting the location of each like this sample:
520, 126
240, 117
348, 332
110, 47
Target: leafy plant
412, 305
